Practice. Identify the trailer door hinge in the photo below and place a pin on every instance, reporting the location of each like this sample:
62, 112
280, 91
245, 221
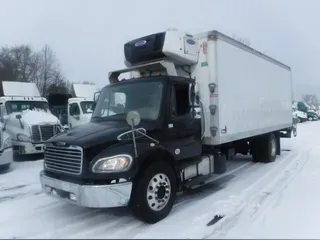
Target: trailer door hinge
212, 87
213, 131
213, 109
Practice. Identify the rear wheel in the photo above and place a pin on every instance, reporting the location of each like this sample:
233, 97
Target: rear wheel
264, 148
5, 167
154, 193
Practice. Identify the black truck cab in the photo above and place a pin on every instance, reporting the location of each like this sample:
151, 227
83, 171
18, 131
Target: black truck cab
108, 163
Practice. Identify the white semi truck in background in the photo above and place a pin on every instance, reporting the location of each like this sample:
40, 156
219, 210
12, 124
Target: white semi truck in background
74, 109
26, 117
192, 104
6, 153
80, 108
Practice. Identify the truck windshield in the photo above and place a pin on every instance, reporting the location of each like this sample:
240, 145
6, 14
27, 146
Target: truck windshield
19, 106
86, 106
115, 101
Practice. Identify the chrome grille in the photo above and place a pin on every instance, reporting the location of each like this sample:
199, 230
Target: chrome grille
63, 159
41, 133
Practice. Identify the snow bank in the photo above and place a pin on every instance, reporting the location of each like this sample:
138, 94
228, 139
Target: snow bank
34, 117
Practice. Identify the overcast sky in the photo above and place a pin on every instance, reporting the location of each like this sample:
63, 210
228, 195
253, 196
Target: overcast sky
88, 35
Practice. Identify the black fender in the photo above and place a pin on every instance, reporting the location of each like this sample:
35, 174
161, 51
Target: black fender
148, 152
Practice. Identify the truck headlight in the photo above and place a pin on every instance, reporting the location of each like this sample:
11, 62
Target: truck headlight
23, 138
7, 143
117, 163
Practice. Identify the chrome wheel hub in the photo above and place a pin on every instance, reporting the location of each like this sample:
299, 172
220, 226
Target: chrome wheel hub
158, 193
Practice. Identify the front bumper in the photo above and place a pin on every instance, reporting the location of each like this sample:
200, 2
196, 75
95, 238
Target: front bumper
91, 196
22, 148
6, 157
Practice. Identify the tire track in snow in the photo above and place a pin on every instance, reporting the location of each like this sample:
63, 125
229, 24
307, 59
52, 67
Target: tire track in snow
222, 227
230, 220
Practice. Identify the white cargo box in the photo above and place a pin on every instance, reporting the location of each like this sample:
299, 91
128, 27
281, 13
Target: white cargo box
250, 92
84, 90
24, 89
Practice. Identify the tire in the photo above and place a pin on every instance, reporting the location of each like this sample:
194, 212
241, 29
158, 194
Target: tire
152, 206
310, 118
5, 167
264, 148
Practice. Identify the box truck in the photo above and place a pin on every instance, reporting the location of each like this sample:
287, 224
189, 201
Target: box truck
192, 103
26, 117
74, 109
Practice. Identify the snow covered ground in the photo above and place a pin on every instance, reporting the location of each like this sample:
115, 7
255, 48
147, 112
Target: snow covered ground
276, 200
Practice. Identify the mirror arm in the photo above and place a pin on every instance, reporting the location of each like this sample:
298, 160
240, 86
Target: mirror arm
156, 141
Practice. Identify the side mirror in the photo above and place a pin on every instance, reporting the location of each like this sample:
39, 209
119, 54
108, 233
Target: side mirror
133, 118
18, 116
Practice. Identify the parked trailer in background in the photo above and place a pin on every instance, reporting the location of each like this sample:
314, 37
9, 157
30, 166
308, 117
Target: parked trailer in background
194, 102
26, 117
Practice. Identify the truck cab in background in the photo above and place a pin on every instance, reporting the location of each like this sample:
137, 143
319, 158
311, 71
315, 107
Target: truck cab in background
311, 114
192, 103
6, 151
26, 117
77, 110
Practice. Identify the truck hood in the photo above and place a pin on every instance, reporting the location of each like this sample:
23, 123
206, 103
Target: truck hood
90, 134
34, 117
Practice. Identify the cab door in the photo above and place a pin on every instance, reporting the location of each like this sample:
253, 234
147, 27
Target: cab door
184, 129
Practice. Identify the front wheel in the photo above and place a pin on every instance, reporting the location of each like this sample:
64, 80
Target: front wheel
154, 193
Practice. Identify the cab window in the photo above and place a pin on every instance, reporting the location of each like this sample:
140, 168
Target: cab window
74, 109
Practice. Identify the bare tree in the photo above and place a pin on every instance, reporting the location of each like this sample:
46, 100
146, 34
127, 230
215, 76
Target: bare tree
6, 70
49, 71
20, 63
311, 99
88, 83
